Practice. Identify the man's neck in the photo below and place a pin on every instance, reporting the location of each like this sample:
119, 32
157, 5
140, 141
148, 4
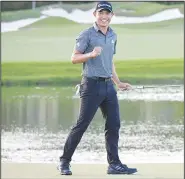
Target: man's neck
103, 29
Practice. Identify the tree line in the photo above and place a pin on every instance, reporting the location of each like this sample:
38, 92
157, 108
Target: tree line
21, 5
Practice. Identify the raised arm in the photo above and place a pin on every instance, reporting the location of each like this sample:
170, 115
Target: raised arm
79, 57
82, 42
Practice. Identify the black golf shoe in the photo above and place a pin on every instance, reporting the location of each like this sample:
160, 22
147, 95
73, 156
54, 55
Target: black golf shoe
64, 167
120, 168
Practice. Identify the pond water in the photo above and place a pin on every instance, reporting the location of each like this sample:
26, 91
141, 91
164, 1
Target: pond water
37, 120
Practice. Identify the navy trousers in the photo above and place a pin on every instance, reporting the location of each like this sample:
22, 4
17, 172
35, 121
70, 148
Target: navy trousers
96, 93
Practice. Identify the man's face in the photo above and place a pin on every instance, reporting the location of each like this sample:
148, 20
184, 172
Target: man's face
103, 17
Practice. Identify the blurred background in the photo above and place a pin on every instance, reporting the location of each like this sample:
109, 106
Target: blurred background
46, 31
39, 105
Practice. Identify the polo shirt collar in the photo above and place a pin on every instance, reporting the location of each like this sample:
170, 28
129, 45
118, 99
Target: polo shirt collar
97, 28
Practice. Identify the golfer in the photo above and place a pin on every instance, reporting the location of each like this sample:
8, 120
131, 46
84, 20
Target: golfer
95, 48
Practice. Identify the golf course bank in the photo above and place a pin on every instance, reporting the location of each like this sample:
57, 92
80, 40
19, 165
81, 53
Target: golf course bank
151, 71
39, 53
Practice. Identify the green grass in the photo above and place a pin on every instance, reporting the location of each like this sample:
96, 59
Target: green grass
168, 24
8, 16
51, 22
55, 22
18, 15
53, 39
65, 73
136, 9
142, 8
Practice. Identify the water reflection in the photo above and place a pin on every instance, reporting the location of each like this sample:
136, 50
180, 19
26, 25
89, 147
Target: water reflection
62, 112
42, 121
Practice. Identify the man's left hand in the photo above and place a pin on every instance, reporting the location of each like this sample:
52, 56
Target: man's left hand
124, 86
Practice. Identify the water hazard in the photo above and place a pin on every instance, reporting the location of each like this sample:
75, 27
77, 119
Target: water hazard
36, 122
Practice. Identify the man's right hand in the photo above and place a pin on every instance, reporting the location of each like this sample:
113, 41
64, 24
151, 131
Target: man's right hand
78, 57
96, 51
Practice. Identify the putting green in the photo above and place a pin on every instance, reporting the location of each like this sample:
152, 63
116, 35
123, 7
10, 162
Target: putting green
88, 171
53, 39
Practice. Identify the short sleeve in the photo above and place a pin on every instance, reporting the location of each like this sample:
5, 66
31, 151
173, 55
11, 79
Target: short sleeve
115, 47
82, 41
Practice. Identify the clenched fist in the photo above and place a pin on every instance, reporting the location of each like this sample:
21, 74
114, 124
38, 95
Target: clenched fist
96, 51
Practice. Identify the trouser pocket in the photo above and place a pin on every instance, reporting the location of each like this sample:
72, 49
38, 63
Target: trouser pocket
88, 87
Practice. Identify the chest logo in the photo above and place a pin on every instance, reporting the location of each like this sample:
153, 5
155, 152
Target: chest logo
78, 44
112, 41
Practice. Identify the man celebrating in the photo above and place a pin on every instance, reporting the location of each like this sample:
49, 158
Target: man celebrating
95, 48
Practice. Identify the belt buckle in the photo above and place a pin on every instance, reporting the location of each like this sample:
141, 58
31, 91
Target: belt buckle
107, 79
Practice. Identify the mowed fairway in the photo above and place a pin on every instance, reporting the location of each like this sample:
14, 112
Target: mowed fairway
65, 73
53, 39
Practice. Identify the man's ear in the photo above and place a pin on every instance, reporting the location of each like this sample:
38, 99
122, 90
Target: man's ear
94, 13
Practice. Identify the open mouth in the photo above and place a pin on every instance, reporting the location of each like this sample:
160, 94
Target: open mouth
104, 21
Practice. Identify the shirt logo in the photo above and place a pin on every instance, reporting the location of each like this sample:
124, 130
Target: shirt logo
78, 44
112, 41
